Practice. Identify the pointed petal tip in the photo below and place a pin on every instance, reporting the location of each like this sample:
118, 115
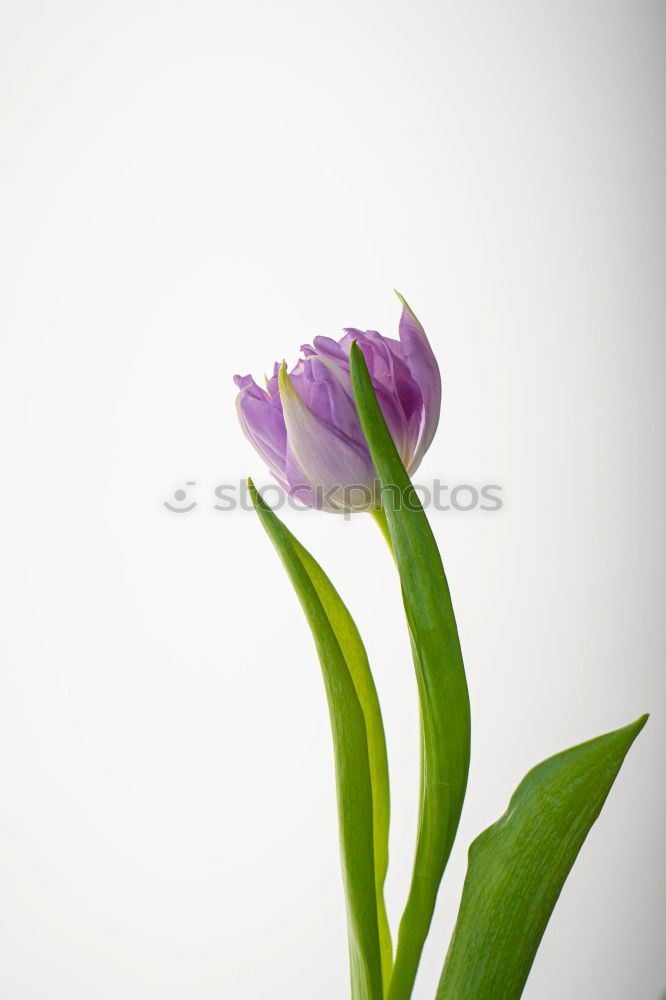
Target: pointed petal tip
403, 301
289, 394
285, 385
407, 308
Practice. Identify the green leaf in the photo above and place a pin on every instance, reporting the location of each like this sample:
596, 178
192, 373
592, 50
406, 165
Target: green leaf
517, 868
442, 688
356, 658
360, 757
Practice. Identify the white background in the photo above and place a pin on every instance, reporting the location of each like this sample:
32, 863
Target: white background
194, 190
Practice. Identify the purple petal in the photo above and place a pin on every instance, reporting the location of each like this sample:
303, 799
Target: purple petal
318, 454
424, 370
263, 424
393, 372
378, 359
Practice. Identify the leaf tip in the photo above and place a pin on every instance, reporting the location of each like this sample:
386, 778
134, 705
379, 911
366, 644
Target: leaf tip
639, 723
255, 496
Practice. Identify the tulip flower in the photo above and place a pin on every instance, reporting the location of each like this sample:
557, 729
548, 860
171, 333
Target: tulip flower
305, 426
358, 415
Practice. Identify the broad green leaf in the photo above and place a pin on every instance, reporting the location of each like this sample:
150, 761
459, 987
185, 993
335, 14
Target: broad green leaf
517, 868
360, 755
442, 688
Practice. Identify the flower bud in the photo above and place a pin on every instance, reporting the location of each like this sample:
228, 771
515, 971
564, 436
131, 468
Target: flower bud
305, 425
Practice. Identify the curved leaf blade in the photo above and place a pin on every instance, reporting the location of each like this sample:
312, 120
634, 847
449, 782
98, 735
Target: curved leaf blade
442, 687
356, 658
517, 868
352, 756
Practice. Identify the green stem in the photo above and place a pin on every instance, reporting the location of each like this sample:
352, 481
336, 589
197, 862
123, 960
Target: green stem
379, 516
